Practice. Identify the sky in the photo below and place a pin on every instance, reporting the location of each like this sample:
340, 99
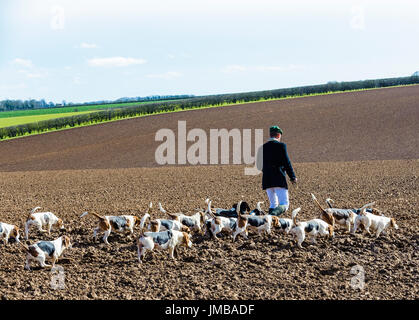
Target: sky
89, 50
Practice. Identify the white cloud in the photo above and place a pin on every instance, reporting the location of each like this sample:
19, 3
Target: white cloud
234, 68
35, 75
31, 72
167, 76
11, 87
114, 62
260, 68
85, 45
268, 68
23, 62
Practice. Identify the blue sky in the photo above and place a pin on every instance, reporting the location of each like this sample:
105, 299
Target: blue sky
87, 50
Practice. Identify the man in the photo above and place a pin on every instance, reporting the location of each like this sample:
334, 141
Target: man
276, 164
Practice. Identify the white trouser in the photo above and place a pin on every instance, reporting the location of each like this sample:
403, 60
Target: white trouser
277, 196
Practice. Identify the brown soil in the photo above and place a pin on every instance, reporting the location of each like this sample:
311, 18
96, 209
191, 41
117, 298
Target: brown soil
366, 125
266, 268
259, 268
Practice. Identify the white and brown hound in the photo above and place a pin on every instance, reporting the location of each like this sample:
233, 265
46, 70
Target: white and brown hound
193, 222
166, 240
234, 226
119, 224
312, 228
372, 222
43, 250
157, 225
42, 220
285, 224
7, 231
262, 223
344, 217
232, 212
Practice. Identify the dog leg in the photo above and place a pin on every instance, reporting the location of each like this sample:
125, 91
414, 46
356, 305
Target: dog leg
355, 227
171, 251
54, 260
300, 239
95, 231
26, 231
378, 232
348, 226
27, 264
367, 227
40, 228
106, 235
41, 260
215, 232
140, 253
235, 235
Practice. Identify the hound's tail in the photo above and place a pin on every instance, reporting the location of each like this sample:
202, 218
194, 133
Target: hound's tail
207, 200
239, 204
93, 214
330, 202
317, 202
258, 206
362, 210
144, 220
326, 216
294, 216
171, 215
140, 235
146, 216
24, 246
209, 211
33, 211
377, 212
161, 208
150, 206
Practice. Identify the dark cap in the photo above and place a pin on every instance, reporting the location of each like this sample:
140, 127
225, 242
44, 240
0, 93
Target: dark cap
275, 129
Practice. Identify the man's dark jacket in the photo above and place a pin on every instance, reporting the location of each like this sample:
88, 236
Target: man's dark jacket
276, 164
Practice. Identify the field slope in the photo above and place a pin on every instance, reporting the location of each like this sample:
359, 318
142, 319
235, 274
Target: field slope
366, 125
353, 147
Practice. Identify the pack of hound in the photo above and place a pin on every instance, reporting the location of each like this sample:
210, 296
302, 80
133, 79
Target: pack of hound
177, 229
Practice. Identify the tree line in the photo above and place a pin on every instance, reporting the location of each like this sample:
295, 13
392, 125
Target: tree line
197, 102
12, 105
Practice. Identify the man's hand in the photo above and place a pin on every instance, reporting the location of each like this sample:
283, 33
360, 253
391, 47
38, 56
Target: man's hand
294, 182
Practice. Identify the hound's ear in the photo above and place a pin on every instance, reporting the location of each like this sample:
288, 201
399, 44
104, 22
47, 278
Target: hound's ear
66, 241
186, 238
331, 230
247, 207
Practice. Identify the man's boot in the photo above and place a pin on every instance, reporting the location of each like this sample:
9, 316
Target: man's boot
278, 210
